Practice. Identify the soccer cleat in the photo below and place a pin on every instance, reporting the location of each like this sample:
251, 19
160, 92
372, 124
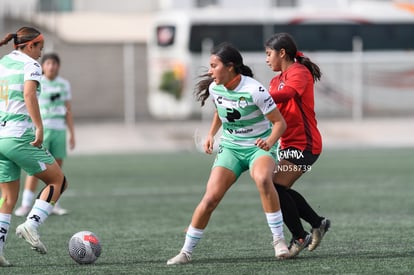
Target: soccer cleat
298, 245
22, 211
318, 233
281, 249
58, 210
4, 262
30, 234
181, 258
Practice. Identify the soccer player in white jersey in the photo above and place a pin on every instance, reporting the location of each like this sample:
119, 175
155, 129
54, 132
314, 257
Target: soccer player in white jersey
251, 125
55, 109
21, 138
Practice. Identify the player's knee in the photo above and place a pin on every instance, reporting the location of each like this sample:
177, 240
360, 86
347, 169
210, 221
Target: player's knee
208, 204
8, 202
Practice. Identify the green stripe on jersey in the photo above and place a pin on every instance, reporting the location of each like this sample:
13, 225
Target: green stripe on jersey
242, 112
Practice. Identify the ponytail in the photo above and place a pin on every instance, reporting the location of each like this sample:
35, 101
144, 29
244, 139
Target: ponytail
23, 37
7, 38
201, 90
312, 67
245, 70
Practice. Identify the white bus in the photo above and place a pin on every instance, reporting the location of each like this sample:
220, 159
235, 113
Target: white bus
365, 51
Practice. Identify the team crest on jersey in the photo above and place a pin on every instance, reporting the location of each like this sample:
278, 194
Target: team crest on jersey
281, 85
242, 102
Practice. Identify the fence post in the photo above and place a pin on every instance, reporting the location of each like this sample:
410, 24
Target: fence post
357, 79
129, 84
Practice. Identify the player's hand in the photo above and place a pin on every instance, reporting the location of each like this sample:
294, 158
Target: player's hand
262, 144
208, 145
72, 143
38, 138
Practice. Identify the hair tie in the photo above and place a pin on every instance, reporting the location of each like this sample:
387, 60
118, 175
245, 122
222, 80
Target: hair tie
299, 54
38, 38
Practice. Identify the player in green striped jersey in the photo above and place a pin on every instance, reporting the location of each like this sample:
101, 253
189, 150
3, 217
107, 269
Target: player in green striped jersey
251, 126
21, 138
55, 109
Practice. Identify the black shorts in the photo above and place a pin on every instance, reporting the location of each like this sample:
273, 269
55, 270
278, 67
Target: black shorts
303, 159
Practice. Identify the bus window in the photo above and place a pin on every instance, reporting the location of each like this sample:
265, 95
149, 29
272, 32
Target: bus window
321, 37
387, 36
165, 35
246, 37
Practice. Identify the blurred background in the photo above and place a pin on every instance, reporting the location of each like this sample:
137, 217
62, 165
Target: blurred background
133, 64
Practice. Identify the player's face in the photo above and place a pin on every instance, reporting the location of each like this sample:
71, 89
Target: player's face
50, 68
34, 50
218, 71
273, 59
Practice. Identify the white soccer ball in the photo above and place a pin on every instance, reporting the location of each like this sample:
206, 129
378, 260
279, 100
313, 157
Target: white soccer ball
84, 247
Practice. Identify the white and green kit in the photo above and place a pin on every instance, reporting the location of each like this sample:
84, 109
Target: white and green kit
52, 100
242, 112
16, 127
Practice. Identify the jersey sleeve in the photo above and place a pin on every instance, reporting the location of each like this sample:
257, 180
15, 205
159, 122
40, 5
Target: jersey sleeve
263, 100
68, 90
297, 80
32, 71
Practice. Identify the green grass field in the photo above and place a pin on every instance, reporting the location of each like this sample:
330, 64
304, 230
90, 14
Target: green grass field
139, 206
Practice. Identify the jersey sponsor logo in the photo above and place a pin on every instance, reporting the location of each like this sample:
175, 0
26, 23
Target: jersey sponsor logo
36, 64
35, 74
243, 131
220, 100
269, 101
232, 115
54, 97
242, 102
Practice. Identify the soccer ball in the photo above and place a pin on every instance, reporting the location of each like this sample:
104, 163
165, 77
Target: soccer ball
84, 247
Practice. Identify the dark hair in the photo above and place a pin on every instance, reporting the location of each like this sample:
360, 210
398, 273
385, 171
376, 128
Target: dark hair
52, 56
21, 37
230, 56
285, 41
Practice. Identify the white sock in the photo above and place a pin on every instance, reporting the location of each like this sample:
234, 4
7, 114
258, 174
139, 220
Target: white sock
39, 213
4, 229
192, 237
275, 222
27, 198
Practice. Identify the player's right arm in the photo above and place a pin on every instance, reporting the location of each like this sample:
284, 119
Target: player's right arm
215, 126
70, 124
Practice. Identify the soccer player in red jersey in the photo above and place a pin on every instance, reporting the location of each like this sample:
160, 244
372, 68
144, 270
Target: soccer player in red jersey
301, 143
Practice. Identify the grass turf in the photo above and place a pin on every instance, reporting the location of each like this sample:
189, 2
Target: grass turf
139, 206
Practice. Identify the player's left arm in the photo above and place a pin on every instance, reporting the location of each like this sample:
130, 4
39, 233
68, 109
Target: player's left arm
294, 85
278, 128
70, 124
265, 102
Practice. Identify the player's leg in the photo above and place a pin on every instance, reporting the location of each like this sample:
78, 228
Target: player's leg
27, 196
291, 167
219, 182
38, 162
9, 189
58, 209
261, 172
42, 208
9, 194
286, 174
55, 141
